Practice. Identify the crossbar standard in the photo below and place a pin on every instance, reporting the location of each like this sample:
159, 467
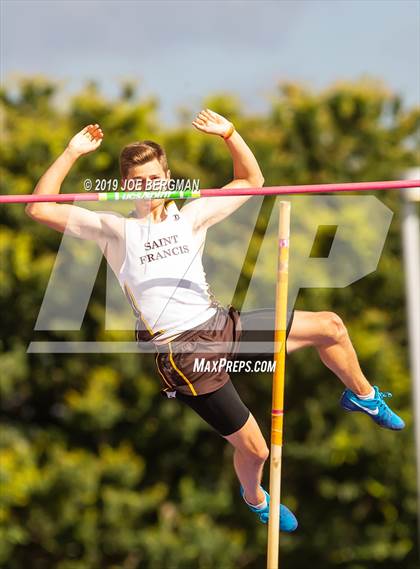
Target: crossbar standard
215, 192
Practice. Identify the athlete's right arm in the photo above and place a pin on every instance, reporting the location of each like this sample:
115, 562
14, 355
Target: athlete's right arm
71, 219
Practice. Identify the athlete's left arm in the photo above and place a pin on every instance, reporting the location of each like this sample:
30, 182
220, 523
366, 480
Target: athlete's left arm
205, 212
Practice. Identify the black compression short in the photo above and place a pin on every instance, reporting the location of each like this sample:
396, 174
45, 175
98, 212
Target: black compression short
222, 409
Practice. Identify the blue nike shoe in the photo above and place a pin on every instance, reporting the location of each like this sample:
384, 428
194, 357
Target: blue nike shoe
288, 522
376, 408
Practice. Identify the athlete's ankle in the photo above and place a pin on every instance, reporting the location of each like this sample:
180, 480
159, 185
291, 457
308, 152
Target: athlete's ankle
366, 395
255, 499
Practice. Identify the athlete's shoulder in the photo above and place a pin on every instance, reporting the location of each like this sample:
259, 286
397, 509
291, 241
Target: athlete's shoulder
189, 211
113, 222
189, 215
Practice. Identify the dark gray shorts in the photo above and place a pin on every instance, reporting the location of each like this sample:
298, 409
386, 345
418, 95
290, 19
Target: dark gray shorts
228, 334
212, 395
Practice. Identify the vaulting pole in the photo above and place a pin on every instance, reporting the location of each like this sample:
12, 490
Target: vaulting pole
217, 192
278, 385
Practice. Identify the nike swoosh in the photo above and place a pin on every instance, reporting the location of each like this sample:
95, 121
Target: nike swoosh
370, 411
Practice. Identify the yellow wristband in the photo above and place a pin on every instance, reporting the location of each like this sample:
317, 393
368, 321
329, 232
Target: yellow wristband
229, 132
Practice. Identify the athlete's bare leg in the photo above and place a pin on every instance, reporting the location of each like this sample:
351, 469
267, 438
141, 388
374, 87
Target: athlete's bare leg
249, 456
327, 333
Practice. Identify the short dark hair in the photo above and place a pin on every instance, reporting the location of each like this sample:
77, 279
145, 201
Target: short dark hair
138, 153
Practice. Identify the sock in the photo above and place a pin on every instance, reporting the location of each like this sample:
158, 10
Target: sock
371, 395
258, 506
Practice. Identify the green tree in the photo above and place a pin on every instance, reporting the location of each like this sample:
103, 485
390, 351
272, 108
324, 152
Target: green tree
97, 469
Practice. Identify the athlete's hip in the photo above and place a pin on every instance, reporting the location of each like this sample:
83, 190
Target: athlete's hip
180, 363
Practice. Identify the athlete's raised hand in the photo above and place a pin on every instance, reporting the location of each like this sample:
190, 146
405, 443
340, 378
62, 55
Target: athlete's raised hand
87, 140
212, 123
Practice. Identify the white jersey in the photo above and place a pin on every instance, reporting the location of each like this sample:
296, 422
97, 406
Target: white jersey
163, 276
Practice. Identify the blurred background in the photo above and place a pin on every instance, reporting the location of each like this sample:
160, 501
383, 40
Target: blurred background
97, 470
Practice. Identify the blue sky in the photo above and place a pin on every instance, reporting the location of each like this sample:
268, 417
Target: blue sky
182, 51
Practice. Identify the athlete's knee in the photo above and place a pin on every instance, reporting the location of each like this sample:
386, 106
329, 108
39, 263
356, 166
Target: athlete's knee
257, 452
264, 453
333, 328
